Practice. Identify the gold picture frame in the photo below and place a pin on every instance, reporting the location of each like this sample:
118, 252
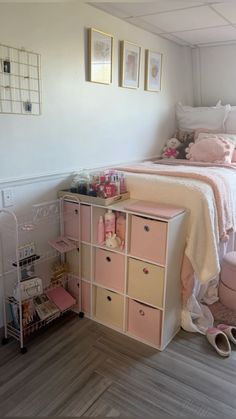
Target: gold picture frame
130, 64
100, 56
153, 70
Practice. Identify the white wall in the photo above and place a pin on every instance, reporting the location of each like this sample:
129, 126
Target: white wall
215, 74
84, 124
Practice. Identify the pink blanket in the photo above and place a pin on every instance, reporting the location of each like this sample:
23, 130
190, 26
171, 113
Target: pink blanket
197, 171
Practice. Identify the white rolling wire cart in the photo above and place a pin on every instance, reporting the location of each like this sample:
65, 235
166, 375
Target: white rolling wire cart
17, 233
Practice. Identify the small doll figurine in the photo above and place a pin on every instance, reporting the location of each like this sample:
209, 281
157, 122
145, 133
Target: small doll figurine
170, 150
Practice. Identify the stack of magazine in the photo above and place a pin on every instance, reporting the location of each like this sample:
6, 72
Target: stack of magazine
45, 307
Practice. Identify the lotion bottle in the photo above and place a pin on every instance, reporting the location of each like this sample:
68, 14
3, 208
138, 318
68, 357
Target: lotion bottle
110, 222
100, 234
121, 226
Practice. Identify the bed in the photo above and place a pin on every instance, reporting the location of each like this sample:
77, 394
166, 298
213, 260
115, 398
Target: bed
209, 193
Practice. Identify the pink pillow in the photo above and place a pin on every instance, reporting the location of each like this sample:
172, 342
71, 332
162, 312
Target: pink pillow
211, 150
234, 157
204, 130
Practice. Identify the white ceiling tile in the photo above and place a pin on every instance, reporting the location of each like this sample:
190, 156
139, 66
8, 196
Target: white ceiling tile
137, 21
111, 9
187, 19
175, 39
145, 8
210, 35
228, 10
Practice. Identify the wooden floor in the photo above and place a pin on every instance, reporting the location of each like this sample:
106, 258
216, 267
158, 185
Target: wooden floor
79, 368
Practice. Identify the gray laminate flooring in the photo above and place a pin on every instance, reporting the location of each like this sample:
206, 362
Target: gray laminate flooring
77, 367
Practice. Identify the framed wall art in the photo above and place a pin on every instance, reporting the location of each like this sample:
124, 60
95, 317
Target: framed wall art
130, 64
100, 56
153, 69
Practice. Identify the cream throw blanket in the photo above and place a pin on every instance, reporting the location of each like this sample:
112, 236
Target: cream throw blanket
210, 195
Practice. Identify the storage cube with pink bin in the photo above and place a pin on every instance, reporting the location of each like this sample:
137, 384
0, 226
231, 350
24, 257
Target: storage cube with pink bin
227, 285
144, 322
71, 221
85, 297
109, 269
148, 239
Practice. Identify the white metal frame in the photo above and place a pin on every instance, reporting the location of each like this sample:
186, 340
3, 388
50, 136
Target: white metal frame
15, 226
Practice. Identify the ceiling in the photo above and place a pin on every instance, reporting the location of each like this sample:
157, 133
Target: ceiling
186, 22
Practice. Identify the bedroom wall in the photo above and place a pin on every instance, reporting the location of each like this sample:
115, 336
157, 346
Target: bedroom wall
84, 124
214, 70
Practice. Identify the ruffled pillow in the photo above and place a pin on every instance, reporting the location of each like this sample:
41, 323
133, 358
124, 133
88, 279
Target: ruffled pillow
231, 138
210, 150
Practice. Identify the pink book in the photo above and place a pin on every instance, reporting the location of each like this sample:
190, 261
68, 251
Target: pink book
155, 209
61, 298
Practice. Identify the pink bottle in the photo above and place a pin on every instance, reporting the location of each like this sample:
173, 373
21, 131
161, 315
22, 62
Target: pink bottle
100, 233
120, 226
110, 222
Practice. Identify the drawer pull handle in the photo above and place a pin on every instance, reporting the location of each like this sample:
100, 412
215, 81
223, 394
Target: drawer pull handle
146, 228
145, 271
109, 298
76, 211
141, 312
108, 259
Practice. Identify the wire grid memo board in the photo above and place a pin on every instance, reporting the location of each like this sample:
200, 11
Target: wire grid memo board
19, 81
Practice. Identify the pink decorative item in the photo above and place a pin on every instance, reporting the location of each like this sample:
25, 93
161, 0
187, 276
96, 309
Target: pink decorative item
170, 150
213, 150
101, 231
227, 286
120, 226
110, 222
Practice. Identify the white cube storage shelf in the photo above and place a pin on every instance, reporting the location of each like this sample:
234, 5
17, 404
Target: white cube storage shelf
136, 290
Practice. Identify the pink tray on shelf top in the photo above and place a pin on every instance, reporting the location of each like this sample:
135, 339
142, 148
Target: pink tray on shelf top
155, 209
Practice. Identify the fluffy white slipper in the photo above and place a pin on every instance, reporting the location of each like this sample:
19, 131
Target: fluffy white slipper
219, 341
229, 331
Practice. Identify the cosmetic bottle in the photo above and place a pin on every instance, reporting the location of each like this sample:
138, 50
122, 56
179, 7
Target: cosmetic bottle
100, 232
121, 226
122, 184
110, 222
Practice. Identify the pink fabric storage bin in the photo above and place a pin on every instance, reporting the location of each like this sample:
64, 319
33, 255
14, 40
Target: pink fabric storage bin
71, 221
148, 239
85, 297
85, 223
109, 269
144, 322
227, 285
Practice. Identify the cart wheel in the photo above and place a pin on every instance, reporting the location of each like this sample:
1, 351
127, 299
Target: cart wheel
5, 341
23, 350
81, 314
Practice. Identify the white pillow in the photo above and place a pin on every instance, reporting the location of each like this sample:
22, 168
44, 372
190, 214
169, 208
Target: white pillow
189, 118
231, 120
229, 137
